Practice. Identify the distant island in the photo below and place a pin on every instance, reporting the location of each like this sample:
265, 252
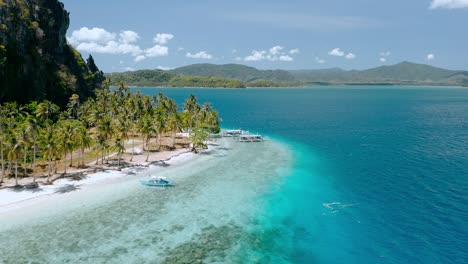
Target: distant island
241, 76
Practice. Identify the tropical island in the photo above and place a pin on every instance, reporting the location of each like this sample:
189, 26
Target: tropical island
241, 76
59, 116
38, 140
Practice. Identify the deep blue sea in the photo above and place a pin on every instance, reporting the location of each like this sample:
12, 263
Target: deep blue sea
380, 173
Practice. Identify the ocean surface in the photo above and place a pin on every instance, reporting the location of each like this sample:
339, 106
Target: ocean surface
350, 175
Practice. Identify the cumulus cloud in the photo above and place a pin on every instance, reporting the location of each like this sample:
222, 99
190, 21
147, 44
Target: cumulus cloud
449, 4
285, 58
385, 53
350, 56
319, 60
430, 57
294, 51
256, 56
157, 51
199, 55
382, 59
339, 53
162, 38
275, 53
99, 40
96, 35
128, 36
139, 58
165, 68
336, 52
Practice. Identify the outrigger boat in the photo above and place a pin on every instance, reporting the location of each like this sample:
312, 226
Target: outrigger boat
250, 138
158, 182
234, 133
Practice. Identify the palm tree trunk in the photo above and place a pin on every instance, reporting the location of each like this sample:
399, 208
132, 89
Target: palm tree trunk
65, 163
147, 149
71, 158
50, 167
133, 143
34, 162
25, 170
173, 139
16, 172
3, 163
97, 158
82, 157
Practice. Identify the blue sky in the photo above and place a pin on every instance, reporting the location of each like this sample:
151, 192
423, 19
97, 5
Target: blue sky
302, 34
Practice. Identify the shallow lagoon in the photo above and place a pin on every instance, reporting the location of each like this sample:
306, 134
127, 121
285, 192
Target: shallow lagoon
359, 175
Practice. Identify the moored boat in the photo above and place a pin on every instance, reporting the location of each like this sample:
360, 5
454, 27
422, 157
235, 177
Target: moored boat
158, 182
234, 133
250, 138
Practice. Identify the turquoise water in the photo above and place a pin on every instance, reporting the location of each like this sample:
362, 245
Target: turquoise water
360, 175
380, 174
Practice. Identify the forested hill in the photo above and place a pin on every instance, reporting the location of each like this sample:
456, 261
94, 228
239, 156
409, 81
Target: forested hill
212, 75
236, 71
36, 61
401, 73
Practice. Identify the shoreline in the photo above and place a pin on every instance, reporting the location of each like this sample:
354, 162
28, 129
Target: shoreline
16, 199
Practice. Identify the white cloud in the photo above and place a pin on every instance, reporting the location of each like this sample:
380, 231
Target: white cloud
238, 58
350, 56
319, 60
276, 50
449, 4
430, 57
275, 53
256, 56
339, 53
294, 51
95, 35
180, 49
111, 47
139, 58
98, 40
385, 53
285, 58
336, 52
165, 68
128, 36
129, 69
199, 55
162, 38
157, 51
382, 59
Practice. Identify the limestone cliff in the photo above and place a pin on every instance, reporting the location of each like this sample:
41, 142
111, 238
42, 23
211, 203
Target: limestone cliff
36, 62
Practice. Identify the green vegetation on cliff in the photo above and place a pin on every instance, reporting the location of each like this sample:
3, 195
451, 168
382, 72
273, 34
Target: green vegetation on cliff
36, 62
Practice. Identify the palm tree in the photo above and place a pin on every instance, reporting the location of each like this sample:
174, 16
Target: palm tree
106, 130
48, 140
66, 135
174, 125
84, 141
32, 128
119, 147
74, 106
2, 138
14, 153
147, 129
24, 141
45, 110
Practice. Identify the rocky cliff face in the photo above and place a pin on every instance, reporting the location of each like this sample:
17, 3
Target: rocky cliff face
36, 62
